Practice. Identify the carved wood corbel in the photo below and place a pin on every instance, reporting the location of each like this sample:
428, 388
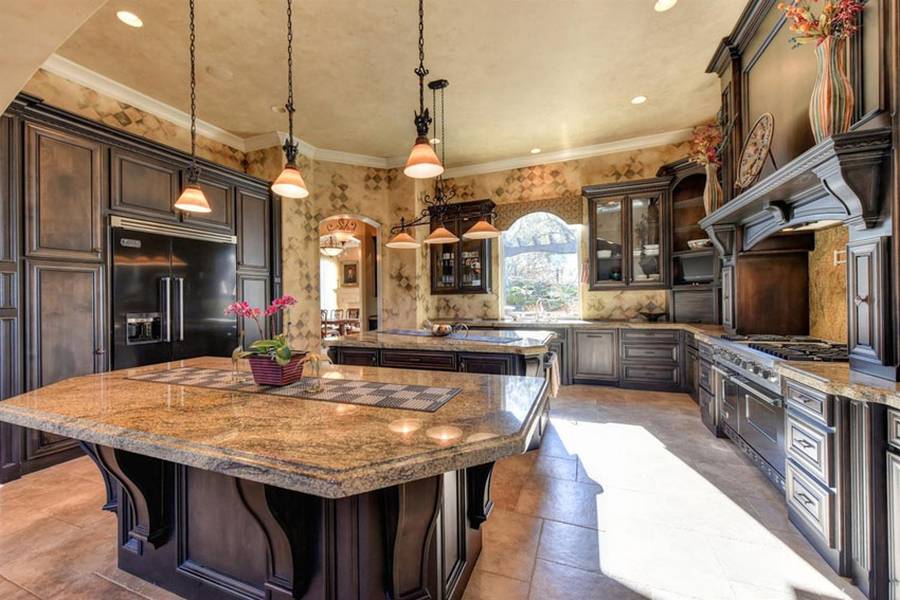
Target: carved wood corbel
478, 488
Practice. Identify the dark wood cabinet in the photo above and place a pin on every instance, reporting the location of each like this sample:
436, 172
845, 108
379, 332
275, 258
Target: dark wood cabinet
650, 358
629, 234
253, 230
255, 290
66, 318
63, 195
220, 195
595, 355
462, 267
870, 337
360, 357
728, 297
412, 359
143, 186
692, 373
489, 364
893, 506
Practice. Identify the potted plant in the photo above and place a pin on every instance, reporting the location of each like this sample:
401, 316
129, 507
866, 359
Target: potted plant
271, 359
832, 101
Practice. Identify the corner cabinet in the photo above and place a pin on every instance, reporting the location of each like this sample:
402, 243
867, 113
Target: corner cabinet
629, 234
463, 267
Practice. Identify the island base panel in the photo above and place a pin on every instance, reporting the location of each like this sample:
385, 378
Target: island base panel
203, 535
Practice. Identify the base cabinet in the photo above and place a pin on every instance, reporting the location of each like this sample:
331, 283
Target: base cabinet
464, 362
596, 356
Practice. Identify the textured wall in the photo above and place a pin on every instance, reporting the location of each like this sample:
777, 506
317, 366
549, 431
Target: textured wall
556, 187
828, 286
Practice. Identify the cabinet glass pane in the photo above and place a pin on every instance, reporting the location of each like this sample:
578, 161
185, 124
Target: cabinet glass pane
645, 236
471, 258
608, 234
443, 260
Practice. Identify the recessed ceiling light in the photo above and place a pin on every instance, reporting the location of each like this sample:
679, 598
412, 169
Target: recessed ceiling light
276, 108
664, 5
639, 99
129, 18
535, 150
220, 72
435, 141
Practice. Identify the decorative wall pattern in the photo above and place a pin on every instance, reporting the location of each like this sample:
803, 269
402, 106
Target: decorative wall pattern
828, 286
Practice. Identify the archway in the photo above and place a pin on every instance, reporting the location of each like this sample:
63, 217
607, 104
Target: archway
350, 274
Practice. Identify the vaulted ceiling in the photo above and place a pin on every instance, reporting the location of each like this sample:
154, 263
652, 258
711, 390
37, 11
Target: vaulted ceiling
552, 74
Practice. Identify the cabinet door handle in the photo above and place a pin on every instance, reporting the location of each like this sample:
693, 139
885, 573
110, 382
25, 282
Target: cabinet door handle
860, 299
99, 351
803, 443
804, 498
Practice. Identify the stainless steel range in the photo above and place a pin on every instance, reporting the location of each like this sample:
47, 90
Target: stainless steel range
748, 392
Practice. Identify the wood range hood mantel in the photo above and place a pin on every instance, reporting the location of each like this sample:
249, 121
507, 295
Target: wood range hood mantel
836, 180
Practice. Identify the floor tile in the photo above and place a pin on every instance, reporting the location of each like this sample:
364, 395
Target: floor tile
554, 581
10, 591
566, 501
570, 545
489, 586
510, 542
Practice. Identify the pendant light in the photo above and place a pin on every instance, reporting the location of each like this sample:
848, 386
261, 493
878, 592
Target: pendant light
422, 163
290, 184
403, 241
192, 198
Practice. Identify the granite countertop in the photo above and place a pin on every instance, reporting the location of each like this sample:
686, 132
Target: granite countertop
322, 448
702, 329
530, 342
837, 378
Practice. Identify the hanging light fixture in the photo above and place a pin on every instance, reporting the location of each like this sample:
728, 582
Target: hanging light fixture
290, 184
329, 246
192, 198
422, 163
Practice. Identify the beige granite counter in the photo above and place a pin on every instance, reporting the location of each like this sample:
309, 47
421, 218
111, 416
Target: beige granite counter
838, 379
321, 448
699, 329
529, 342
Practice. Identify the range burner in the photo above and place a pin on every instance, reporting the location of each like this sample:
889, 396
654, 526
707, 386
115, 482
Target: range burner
818, 350
769, 337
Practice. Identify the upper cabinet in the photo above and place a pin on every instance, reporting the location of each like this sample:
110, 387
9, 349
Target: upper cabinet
629, 234
143, 186
220, 195
63, 195
253, 230
463, 267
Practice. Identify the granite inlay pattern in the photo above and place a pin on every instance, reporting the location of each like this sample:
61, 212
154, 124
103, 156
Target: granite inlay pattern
321, 448
366, 393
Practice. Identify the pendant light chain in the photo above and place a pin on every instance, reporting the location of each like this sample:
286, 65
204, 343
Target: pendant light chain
193, 170
422, 119
290, 148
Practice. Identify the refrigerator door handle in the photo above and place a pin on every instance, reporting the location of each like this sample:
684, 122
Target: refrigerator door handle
166, 294
180, 281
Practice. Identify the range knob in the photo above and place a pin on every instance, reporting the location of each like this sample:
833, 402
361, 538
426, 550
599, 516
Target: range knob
754, 368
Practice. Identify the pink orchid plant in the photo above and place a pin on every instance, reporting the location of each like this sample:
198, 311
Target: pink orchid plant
276, 348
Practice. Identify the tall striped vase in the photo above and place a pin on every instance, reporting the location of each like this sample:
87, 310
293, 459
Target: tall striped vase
831, 105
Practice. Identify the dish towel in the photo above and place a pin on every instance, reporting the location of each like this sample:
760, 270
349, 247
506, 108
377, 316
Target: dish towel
553, 374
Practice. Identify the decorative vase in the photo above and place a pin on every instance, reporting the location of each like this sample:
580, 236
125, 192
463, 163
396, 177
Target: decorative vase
712, 193
268, 372
832, 101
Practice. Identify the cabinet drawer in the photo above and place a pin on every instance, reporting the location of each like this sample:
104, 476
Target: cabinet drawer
358, 357
656, 375
644, 352
810, 501
893, 432
808, 401
650, 336
706, 375
432, 361
810, 447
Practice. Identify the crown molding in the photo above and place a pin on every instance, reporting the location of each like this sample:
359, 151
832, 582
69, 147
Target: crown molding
635, 143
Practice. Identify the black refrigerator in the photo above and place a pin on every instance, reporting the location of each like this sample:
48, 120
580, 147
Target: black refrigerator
170, 294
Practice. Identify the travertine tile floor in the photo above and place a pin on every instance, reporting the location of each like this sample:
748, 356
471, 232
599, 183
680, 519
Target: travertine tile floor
629, 497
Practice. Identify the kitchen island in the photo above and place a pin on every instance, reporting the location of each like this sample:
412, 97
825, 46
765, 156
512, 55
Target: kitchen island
508, 352
242, 493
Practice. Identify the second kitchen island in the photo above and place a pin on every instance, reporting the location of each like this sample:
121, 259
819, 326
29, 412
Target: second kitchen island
226, 491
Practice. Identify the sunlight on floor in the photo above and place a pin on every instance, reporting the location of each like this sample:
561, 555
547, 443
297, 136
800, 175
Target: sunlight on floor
662, 524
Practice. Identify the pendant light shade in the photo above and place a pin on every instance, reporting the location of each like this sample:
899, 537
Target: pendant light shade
482, 230
192, 200
403, 241
290, 184
441, 235
423, 162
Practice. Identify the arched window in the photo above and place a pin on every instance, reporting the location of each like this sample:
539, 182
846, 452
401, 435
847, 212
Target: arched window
540, 268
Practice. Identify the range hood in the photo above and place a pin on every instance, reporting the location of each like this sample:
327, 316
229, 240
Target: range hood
838, 180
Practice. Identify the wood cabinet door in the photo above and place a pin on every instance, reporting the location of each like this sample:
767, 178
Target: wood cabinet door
255, 290
253, 231
488, 364
63, 195
220, 195
596, 355
66, 334
893, 506
728, 297
867, 287
144, 186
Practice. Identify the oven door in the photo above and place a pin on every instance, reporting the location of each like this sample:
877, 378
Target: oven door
728, 398
761, 423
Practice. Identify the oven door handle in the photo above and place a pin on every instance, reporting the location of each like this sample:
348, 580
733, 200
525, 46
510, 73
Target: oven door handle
772, 401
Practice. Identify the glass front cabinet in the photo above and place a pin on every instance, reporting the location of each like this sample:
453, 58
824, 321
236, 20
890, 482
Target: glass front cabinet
463, 267
628, 234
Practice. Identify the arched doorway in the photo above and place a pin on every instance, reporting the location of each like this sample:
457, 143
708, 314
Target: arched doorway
540, 268
350, 274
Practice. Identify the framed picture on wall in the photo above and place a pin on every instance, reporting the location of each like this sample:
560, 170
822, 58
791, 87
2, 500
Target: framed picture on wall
350, 274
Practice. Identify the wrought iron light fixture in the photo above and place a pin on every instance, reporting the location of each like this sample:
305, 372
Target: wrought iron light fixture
423, 162
192, 198
436, 206
329, 246
290, 184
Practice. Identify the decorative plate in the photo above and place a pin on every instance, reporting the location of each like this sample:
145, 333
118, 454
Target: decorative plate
756, 151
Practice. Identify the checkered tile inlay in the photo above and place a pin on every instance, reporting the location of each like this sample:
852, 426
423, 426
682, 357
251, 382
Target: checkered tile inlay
367, 393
